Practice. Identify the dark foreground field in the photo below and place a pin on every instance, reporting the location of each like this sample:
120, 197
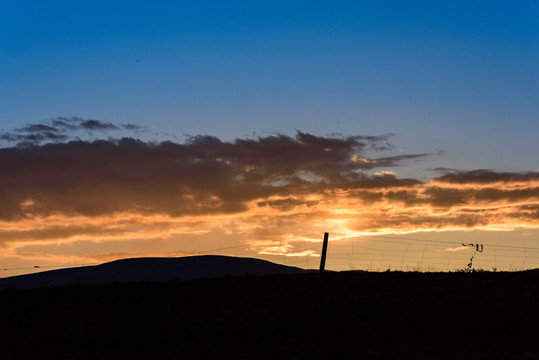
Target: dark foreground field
305, 316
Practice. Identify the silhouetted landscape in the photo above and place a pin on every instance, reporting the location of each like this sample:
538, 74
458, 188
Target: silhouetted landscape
149, 269
277, 313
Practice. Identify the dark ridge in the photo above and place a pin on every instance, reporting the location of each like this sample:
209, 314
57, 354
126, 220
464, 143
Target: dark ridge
149, 269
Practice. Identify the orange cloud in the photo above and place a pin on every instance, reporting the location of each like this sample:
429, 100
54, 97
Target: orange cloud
91, 200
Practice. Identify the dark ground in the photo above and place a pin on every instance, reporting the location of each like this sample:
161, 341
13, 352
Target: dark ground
306, 316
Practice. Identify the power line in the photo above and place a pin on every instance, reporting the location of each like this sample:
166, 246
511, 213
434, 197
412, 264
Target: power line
48, 266
404, 256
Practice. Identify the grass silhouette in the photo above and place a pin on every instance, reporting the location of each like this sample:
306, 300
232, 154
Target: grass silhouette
347, 315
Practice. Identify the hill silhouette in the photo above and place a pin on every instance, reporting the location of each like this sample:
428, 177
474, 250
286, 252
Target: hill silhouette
149, 269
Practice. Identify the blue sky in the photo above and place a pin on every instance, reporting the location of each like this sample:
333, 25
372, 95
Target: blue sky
457, 76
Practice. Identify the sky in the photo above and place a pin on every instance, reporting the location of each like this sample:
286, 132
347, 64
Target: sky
406, 129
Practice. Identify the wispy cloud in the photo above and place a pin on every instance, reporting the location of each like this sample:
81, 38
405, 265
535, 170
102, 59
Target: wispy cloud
454, 249
60, 129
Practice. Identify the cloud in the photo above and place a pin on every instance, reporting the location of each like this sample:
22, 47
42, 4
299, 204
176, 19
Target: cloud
37, 128
384, 173
97, 125
204, 175
389, 161
267, 191
60, 129
485, 176
33, 134
62, 123
454, 249
399, 159
287, 203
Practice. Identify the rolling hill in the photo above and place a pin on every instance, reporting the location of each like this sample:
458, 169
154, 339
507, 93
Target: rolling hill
149, 269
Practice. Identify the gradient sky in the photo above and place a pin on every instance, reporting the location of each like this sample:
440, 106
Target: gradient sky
282, 120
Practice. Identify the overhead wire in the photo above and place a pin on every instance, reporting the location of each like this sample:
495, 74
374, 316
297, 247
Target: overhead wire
380, 254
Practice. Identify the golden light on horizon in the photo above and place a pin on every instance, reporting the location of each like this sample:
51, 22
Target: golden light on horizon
171, 199
270, 226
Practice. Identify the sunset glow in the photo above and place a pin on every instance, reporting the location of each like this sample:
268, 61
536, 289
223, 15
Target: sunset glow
406, 130
87, 202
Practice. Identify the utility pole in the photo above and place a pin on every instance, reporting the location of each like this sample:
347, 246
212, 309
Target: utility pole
324, 251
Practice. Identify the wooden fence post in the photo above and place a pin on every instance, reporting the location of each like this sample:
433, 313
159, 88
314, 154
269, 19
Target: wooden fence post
324, 252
